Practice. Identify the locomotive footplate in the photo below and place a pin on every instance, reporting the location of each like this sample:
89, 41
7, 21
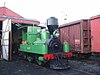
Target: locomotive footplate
59, 63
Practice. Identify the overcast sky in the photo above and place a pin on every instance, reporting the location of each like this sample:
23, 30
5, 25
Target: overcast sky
43, 9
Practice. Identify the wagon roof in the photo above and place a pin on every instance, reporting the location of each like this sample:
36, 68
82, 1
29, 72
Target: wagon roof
72, 23
95, 17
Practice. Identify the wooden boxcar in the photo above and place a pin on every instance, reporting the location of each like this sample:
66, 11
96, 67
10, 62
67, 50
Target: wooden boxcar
95, 34
77, 34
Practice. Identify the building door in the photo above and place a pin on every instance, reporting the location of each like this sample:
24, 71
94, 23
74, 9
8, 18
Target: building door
6, 28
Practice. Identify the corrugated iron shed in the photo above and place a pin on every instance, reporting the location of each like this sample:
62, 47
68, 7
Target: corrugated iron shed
6, 13
9, 19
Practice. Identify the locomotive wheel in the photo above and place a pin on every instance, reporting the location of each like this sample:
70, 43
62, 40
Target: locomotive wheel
39, 62
25, 57
29, 59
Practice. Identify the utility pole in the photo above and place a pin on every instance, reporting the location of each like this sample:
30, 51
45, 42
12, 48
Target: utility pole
4, 4
65, 16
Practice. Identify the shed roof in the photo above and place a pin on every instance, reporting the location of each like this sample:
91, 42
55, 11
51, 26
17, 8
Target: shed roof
6, 13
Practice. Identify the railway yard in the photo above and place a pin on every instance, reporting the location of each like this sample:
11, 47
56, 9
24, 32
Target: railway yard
25, 45
22, 67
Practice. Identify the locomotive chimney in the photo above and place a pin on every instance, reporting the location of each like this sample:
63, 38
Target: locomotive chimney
52, 24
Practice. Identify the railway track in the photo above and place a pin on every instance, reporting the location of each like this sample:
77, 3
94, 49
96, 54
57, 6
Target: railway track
90, 60
74, 71
71, 71
85, 72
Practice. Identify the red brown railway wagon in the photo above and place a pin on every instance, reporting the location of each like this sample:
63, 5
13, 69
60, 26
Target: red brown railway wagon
95, 33
77, 34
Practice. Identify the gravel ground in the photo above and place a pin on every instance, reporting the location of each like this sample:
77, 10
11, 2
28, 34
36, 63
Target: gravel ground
22, 67
91, 68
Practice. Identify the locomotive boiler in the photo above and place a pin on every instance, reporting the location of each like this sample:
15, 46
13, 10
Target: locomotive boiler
44, 47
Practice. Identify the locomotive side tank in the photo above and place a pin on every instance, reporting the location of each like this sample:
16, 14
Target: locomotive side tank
44, 46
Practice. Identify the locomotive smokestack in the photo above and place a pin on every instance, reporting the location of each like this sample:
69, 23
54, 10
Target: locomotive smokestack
52, 24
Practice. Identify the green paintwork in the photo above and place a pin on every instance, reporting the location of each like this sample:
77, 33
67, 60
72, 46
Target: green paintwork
35, 39
40, 58
31, 38
44, 35
39, 62
56, 33
38, 49
24, 36
33, 29
30, 34
39, 41
66, 47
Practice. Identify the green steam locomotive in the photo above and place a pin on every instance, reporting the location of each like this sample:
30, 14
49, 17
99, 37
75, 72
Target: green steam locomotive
44, 47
